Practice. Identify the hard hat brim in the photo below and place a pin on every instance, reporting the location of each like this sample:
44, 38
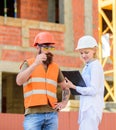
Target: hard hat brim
35, 44
86, 47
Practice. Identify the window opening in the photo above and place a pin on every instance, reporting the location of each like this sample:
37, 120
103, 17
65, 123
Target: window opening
12, 94
55, 11
8, 8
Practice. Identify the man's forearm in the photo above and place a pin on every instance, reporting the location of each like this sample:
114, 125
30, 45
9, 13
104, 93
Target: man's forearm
24, 75
65, 94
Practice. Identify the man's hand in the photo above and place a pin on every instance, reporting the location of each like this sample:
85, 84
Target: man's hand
65, 98
60, 105
40, 58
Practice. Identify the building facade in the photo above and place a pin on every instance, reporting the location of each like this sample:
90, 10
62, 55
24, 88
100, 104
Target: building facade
21, 20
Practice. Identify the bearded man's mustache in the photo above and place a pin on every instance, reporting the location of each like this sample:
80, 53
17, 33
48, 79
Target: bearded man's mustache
49, 58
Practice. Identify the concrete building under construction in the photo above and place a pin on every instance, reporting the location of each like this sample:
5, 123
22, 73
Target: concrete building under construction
67, 20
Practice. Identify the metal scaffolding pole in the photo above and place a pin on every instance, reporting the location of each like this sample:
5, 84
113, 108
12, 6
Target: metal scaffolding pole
5, 10
15, 8
114, 45
107, 24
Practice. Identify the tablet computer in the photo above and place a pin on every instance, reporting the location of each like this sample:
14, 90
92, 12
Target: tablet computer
76, 78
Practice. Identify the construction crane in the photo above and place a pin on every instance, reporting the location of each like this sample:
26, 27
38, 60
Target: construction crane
107, 28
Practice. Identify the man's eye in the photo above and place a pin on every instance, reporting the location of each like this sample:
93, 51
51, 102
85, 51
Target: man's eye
46, 47
82, 53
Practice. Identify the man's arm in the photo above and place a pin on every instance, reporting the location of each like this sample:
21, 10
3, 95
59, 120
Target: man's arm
65, 93
25, 73
65, 96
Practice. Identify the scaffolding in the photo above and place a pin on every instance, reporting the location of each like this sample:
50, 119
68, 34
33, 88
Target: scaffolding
107, 25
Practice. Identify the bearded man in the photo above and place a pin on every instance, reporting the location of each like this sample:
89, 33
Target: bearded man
40, 77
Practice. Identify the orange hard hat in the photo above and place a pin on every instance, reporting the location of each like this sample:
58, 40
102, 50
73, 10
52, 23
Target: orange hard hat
44, 37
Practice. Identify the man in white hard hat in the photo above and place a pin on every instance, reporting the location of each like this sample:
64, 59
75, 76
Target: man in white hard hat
92, 96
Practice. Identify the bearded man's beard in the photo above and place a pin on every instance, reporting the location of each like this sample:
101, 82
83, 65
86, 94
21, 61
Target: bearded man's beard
49, 58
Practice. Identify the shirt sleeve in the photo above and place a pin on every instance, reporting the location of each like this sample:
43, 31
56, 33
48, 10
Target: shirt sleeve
24, 66
60, 77
96, 79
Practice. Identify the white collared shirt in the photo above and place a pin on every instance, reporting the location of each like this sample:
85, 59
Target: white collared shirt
93, 95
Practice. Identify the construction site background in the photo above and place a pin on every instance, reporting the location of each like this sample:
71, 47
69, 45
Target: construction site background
67, 20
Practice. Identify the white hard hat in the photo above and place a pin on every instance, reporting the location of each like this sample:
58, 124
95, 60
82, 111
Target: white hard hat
86, 42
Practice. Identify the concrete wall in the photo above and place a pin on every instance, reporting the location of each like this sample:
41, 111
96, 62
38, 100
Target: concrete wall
67, 121
33, 10
16, 39
85, 18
